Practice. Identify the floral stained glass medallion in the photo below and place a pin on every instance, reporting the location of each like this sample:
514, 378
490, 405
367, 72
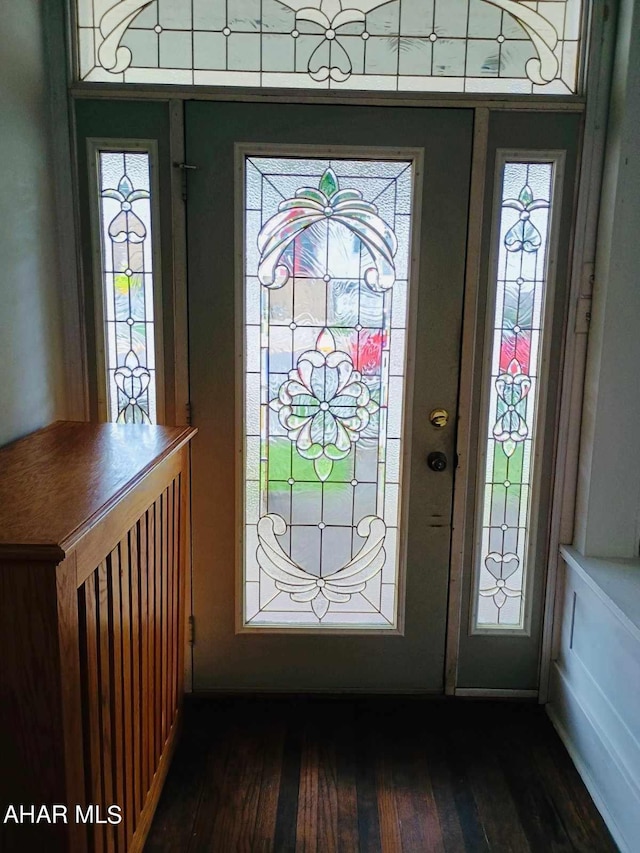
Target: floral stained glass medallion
127, 285
391, 45
326, 287
515, 353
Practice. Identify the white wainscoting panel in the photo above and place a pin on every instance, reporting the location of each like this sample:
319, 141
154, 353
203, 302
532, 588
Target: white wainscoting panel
595, 685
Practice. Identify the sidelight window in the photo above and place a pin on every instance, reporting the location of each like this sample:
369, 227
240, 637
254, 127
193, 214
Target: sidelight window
515, 353
127, 285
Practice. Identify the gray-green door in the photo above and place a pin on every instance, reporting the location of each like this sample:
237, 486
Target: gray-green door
226, 141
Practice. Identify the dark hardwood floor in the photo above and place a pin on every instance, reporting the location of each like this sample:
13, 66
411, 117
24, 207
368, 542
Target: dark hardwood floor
399, 775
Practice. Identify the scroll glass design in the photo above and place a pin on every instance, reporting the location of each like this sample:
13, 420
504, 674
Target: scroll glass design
127, 285
393, 45
326, 286
523, 258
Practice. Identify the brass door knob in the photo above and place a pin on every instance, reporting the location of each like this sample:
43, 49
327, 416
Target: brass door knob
439, 418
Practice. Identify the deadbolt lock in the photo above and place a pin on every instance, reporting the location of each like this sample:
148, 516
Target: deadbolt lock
437, 461
439, 418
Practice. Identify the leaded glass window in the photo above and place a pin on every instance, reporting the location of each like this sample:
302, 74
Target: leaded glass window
392, 45
515, 352
327, 247
125, 270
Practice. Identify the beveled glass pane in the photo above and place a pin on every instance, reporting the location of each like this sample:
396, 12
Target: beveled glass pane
393, 45
328, 257
127, 282
520, 290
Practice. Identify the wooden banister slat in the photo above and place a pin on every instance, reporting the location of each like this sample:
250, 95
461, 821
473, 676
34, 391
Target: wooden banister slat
145, 674
157, 616
127, 686
93, 739
105, 692
170, 596
117, 704
164, 565
177, 598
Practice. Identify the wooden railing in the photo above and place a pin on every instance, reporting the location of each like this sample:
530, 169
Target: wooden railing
99, 731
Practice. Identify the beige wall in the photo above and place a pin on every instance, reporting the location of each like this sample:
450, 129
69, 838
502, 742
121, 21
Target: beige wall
31, 347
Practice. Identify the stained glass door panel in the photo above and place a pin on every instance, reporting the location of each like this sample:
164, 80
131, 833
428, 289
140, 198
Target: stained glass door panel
327, 249
326, 273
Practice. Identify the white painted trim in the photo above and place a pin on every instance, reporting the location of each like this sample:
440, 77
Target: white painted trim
494, 693
150, 146
587, 569
593, 685
557, 160
416, 156
600, 47
582, 763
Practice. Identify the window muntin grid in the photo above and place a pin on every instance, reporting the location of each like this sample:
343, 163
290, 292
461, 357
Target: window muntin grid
474, 46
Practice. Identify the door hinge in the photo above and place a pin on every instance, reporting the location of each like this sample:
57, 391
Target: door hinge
191, 630
583, 315
583, 312
188, 413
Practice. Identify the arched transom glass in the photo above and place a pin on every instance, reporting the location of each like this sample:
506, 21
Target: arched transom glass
394, 45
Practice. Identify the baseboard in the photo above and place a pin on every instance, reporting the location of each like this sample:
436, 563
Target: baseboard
494, 693
460, 692
564, 704
210, 692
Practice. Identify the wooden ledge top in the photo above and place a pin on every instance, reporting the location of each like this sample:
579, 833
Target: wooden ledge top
58, 482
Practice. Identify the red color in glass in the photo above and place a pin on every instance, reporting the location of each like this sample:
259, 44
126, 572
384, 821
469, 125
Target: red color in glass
516, 346
367, 356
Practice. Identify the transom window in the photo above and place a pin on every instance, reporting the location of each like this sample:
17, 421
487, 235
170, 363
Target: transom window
479, 46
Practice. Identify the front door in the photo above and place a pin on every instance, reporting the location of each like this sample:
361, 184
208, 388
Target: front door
326, 271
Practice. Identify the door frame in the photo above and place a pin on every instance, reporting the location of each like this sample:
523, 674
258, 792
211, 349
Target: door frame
478, 276
599, 51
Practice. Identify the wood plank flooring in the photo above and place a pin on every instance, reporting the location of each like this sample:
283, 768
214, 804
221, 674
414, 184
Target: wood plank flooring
398, 775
